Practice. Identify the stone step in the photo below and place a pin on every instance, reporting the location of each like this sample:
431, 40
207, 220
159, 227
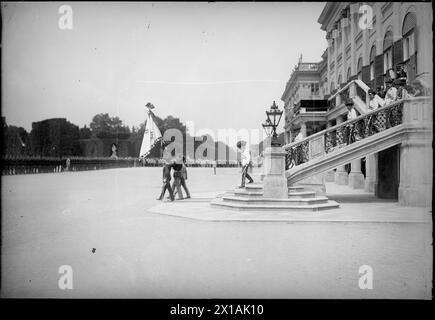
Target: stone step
274, 206
258, 186
301, 201
291, 195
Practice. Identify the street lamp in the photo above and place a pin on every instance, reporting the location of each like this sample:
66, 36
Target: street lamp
267, 126
273, 117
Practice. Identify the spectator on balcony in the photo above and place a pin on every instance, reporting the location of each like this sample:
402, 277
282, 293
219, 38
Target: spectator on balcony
402, 93
391, 94
298, 137
351, 114
375, 100
419, 88
380, 91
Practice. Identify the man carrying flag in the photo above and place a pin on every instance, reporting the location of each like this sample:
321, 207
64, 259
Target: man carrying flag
152, 133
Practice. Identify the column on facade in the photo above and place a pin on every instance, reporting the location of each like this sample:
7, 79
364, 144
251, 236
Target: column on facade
356, 178
335, 62
353, 58
330, 175
379, 40
415, 187
424, 47
371, 175
304, 129
340, 173
343, 53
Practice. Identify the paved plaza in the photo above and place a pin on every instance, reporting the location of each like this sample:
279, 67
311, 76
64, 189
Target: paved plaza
122, 243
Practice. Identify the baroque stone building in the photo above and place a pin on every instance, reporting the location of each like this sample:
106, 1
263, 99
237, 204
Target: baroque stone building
367, 44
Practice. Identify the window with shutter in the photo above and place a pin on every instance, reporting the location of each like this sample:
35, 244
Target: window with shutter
397, 52
379, 65
359, 68
365, 74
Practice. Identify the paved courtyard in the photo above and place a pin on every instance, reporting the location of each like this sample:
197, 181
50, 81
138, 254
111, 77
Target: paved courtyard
119, 242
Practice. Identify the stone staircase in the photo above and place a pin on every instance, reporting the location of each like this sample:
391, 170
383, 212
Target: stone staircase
251, 198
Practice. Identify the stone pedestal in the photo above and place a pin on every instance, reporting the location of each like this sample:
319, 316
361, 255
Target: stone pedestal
341, 177
356, 178
416, 167
330, 176
275, 181
371, 167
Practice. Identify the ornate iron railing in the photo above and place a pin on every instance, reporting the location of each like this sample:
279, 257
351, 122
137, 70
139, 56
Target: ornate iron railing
343, 134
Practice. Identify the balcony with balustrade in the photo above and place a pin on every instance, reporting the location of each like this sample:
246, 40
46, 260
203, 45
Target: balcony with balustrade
406, 123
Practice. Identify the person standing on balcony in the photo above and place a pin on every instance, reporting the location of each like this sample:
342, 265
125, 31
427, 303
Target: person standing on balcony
351, 114
402, 93
373, 121
391, 94
375, 100
299, 137
246, 160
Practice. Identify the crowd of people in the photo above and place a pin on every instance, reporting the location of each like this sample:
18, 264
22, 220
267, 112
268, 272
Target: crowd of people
395, 89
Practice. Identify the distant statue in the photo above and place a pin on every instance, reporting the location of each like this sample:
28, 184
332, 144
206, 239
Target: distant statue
114, 149
68, 164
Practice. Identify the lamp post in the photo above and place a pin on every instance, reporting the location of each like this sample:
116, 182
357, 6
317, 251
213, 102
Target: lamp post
274, 181
273, 118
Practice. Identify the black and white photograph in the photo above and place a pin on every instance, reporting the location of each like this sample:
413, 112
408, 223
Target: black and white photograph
217, 150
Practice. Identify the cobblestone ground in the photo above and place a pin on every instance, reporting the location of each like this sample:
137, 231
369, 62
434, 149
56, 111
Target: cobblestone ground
97, 222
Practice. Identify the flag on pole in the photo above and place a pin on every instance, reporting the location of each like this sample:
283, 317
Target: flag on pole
151, 135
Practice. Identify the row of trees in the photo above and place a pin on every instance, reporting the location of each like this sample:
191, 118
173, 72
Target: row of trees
54, 137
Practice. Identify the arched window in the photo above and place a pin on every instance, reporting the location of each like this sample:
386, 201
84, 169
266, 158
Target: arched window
408, 35
359, 68
372, 62
348, 75
388, 51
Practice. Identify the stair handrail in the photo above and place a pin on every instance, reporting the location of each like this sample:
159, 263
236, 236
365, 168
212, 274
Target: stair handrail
358, 82
359, 128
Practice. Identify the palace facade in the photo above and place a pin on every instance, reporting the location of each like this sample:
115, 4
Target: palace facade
368, 43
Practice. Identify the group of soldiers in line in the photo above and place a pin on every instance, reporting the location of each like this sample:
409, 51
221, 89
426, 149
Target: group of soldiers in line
180, 177
180, 174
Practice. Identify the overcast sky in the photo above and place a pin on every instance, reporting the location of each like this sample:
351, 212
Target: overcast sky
217, 64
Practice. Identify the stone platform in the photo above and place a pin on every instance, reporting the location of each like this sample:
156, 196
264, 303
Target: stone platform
251, 198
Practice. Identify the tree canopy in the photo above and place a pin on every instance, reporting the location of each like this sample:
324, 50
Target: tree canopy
105, 126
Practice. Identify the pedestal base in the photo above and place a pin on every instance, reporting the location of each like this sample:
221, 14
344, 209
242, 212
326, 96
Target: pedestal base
341, 177
416, 196
275, 187
274, 181
330, 176
356, 180
369, 185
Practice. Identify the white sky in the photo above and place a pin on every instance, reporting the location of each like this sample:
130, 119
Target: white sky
217, 64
